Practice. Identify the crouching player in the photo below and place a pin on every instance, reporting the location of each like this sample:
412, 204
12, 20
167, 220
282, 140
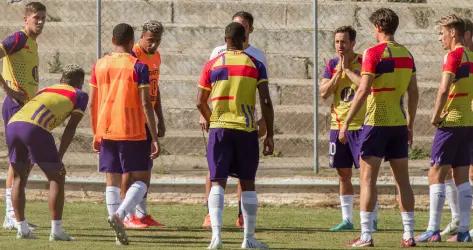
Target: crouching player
30, 141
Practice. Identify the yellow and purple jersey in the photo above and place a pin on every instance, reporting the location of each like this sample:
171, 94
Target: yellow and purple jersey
51, 106
20, 65
393, 66
232, 77
343, 95
458, 109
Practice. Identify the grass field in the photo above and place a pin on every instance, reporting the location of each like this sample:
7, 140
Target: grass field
280, 227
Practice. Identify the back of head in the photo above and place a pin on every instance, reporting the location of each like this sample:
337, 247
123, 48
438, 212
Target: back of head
34, 7
123, 34
468, 25
453, 22
235, 32
245, 15
386, 19
73, 75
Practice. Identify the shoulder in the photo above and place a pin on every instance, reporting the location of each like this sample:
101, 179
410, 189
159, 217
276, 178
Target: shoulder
217, 51
376, 50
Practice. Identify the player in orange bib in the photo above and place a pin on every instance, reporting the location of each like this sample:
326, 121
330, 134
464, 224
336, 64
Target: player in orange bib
20, 71
124, 126
29, 141
146, 50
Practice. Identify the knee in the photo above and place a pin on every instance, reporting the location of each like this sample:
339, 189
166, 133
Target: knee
247, 185
345, 177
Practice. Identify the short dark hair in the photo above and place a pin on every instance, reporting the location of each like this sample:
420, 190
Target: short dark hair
468, 25
386, 19
347, 29
123, 33
34, 7
245, 15
453, 22
72, 74
236, 32
153, 26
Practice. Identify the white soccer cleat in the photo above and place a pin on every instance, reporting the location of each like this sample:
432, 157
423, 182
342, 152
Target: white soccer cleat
215, 243
63, 236
451, 229
9, 223
252, 243
117, 225
28, 235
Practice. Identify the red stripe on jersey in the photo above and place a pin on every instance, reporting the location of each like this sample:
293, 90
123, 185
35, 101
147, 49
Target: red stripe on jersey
455, 95
373, 90
242, 70
403, 62
219, 98
71, 95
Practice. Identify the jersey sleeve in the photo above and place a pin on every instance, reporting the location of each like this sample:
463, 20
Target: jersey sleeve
452, 62
93, 78
81, 102
262, 74
14, 42
371, 58
204, 81
328, 70
141, 75
217, 51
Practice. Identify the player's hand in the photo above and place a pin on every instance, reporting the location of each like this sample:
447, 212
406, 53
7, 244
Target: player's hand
436, 121
204, 124
161, 129
342, 134
268, 145
155, 150
19, 96
410, 136
344, 62
96, 145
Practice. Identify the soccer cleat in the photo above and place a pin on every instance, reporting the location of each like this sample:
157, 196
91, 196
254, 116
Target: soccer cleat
239, 221
429, 236
150, 221
358, 242
215, 243
206, 223
451, 228
133, 222
9, 223
252, 243
343, 226
117, 225
27, 236
63, 236
408, 243
461, 237
471, 233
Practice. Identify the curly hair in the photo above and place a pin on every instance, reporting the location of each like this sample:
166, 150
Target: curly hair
153, 26
72, 73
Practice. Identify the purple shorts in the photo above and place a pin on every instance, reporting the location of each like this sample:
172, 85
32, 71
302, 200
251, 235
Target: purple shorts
125, 156
9, 108
451, 148
344, 155
28, 143
232, 152
388, 142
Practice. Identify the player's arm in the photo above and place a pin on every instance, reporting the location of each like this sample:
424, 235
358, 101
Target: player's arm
268, 116
353, 76
69, 132
150, 121
412, 102
9, 46
328, 84
159, 113
442, 96
203, 106
17, 95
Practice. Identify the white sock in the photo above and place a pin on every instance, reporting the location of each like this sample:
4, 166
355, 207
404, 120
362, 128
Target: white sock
22, 227
215, 205
56, 227
249, 207
408, 223
133, 196
112, 198
8, 204
437, 200
451, 195
366, 221
465, 199
142, 209
346, 203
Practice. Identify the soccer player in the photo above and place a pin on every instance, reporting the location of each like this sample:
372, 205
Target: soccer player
29, 141
230, 81
124, 126
20, 71
387, 73
146, 50
245, 19
340, 80
451, 192
453, 118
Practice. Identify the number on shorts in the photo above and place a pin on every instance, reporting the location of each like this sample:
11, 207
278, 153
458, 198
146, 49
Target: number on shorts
332, 148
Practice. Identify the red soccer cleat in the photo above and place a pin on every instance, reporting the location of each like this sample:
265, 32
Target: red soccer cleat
134, 223
408, 243
150, 222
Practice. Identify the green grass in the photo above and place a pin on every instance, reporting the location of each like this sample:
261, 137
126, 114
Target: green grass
280, 227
